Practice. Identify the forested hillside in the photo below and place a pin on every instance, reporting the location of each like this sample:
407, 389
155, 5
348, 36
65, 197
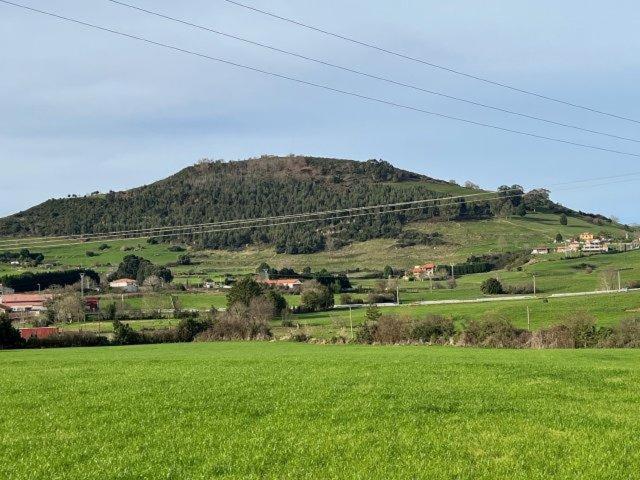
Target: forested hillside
213, 191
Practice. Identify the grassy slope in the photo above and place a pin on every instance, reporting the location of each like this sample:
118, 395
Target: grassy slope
282, 410
463, 239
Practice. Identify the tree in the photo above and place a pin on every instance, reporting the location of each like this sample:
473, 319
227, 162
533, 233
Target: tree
277, 300
559, 238
491, 286
69, 308
316, 296
470, 184
184, 259
9, 335
521, 210
387, 272
563, 219
243, 291
372, 314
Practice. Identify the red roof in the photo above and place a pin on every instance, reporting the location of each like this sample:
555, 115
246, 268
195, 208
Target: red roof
423, 268
22, 299
38, 332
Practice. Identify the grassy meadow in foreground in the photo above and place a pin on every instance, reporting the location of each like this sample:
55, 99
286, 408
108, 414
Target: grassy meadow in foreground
284, 410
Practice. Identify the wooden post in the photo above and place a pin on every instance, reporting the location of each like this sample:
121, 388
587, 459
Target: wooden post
528, 319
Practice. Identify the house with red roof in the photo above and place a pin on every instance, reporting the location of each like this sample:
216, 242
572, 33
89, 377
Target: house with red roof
26, 302
421, 272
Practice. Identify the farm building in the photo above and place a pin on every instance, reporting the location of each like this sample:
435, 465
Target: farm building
423, 271
570, 247
26, 302
38, 332
595, 246
288, 283
127, 284
586, 237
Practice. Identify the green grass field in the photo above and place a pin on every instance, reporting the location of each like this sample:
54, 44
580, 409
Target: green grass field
285, 410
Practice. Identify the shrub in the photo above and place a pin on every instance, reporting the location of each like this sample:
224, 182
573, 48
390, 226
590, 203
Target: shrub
364, 334
188, 328
104, 246
381, 298
391, 329
68, 339
520, 289
90, 253
556, 336
240, 323
432, 329
633, 284
123, 334
9, 335
624, 335
176, 248
491, 286
582, 328
347, 299
496, 332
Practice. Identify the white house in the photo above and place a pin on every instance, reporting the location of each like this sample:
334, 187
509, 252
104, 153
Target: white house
540, 251
126, 284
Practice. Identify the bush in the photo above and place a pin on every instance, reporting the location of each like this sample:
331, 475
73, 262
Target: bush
189, 328
90, 253
633, 284
241, 323
496, 332
556, 336
520, 289
347, 299
491, 286
68, 339
432, 329
123, 334
582, 328
391, 329
624, 335
381, 298
9, 335
316, 296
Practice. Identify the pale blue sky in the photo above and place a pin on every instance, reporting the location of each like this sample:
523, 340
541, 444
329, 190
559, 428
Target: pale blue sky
83, 110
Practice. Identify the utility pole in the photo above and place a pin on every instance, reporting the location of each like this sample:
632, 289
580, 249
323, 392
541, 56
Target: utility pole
619, 282
38, 288
534, 284
81, 284
528, 319
452, 274
397, 294
351, 321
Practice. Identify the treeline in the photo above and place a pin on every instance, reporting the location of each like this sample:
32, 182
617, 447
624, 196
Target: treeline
23, 256
30, 281
216, 191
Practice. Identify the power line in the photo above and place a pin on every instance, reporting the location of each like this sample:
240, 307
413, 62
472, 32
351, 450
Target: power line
372, 76
322, 86
428, 63
251, 223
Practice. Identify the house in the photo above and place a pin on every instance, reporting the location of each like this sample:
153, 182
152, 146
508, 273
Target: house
423, 271
569, 247
595, 246
38, 332
126, 284
586, 237
540, 251
26, 302
288, 283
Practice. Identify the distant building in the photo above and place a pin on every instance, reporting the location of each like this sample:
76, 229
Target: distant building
288, 283
540, 251
126, 284
38, 332
421, 272
25, 302
595, 246
586, 237
569, 247
91, 303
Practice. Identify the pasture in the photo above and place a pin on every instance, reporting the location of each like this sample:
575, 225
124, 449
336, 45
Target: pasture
286, 410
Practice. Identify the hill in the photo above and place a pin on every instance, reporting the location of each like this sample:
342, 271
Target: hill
213, 191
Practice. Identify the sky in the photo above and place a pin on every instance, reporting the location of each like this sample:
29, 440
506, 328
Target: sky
84, 110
